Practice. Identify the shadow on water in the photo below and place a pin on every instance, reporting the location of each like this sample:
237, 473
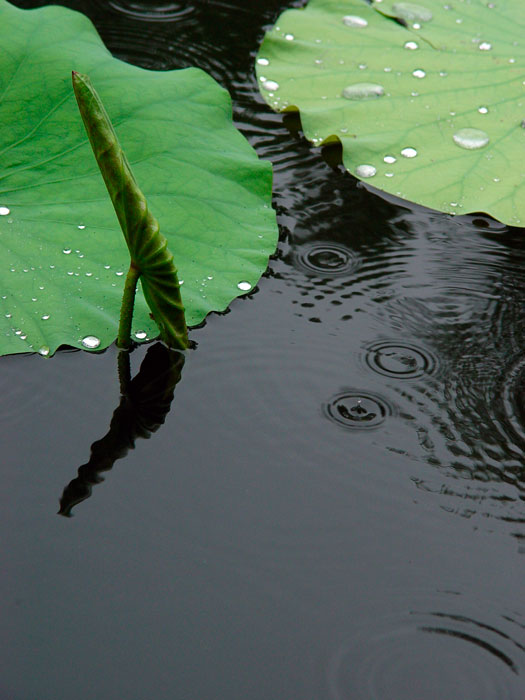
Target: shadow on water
145, 402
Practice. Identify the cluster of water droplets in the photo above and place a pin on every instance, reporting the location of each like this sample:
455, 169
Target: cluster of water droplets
469, 137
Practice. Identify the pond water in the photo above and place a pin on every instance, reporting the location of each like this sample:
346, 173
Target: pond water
334, 506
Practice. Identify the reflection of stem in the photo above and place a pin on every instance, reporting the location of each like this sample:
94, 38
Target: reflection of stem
126, 308
124, 371
145, 402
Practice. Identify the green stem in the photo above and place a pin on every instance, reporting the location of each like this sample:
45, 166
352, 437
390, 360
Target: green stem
148, 248
126, 309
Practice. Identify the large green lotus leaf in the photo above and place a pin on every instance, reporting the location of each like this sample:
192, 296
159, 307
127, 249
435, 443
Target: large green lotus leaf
63, 258
427, 99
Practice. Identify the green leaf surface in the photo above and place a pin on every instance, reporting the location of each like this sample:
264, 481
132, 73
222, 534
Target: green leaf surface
63, 258
427, 99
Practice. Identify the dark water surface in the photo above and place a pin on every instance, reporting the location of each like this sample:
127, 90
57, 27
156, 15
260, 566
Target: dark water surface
334, 507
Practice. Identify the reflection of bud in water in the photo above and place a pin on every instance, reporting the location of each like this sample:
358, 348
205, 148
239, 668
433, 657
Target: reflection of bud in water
145, 402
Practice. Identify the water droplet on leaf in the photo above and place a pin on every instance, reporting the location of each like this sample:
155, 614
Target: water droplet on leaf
365, 170
409, 152
270, 85
91, 342
418, 73
471, 139
245, 286
485, 46
411, 45
363, 91
4, 211
354, 21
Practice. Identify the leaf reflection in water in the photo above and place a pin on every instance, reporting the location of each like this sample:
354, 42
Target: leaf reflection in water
145, 402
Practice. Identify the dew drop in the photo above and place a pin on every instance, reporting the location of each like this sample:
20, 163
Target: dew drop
409, 152
389, 159
90, 341
44, 351
411, 45
66, 251
8, 315
418, 73
270, 85
411, 12
141, 335
471, 139
289, 37
81, 227
483, 110
4, 211
485, 46
45, 317
244, 286
119, 273
354, 21
263, 61
363, 91
365, 170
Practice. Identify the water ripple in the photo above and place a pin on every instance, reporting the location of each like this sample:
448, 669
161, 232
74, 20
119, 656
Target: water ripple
157, 12
431, 655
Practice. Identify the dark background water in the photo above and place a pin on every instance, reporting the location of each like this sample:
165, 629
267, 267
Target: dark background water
334, 506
